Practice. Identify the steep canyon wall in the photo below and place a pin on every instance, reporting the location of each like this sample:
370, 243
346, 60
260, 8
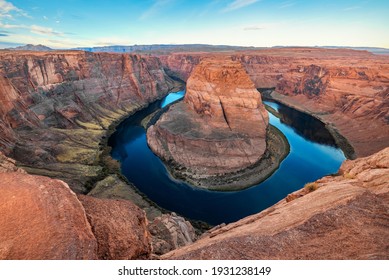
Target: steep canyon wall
346, 89
56, 106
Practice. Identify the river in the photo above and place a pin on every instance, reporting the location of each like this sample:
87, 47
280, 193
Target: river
313, 154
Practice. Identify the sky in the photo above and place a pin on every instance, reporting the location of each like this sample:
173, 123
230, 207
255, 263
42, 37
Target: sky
258, 23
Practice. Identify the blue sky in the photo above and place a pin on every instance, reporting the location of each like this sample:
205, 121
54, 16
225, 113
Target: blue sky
260, 23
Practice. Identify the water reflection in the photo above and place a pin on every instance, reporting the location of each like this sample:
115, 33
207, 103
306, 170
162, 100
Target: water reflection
304, 125
312, 156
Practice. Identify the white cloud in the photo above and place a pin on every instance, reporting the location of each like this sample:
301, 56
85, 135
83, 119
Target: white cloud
11, 26
262, 26
253, 28
154, 9
36, 29
7, 8
44, 30
238, 4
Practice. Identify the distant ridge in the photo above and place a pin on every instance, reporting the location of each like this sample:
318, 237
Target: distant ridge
369, 49
169, 48
373, 50
162, 48
31, 47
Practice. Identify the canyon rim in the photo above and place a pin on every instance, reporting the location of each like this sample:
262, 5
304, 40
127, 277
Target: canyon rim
58, 108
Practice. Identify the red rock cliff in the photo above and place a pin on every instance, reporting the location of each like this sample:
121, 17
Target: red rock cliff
56, 106
337, 217
345, 88
221, 125
41, 218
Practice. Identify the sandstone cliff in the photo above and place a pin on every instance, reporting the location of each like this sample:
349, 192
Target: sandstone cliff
219, 128
55, 109
337, 217
56, 106
346, 89
41, 218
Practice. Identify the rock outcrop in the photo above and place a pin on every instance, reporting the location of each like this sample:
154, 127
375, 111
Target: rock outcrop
8, 165
170, 232
219, 128
337, 217
120, 228
346, 89
113, 187
41, 218
56, 107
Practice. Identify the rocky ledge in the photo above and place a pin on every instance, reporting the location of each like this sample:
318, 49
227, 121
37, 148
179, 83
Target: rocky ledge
337, 217
219, 131
42, 218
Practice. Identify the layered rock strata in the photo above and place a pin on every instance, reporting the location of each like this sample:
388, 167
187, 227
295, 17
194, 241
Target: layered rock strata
337, 217
219, 128
42, 218
56, 107
346, 89
170, 232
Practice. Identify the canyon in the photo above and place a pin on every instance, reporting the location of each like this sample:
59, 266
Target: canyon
346, 89
58, 108
220, 127
337, 217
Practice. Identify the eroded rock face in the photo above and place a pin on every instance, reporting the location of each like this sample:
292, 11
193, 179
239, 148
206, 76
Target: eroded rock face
170, 232
346, 89
41, 218
55, 107
8, 165
221, 125
341, 217
120, 228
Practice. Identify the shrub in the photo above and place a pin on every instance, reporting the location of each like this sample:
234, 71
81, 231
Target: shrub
310, 187
347, 175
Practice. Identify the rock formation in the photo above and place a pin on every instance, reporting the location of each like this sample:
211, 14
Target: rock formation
8, 165
337, 217
41, 218
56, 107
170, 232
120, 228
221, 125
346, 89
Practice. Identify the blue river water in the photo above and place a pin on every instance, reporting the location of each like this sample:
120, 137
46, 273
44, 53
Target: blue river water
313, 154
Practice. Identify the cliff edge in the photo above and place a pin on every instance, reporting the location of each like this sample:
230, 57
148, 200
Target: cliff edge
337, 217
219, 128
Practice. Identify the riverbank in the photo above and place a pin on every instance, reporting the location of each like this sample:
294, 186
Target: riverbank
276, 151
112, 184
342, 142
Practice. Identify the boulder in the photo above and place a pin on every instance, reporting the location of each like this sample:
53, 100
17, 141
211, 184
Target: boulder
120, 228
41, 218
